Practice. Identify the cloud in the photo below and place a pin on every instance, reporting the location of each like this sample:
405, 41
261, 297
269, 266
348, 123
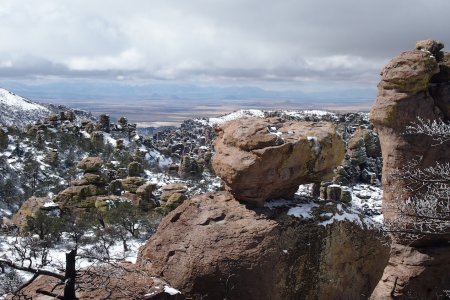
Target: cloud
245, 41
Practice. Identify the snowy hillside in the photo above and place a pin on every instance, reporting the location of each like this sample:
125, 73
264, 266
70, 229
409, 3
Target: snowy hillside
18, 111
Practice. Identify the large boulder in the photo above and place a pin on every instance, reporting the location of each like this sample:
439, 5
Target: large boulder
131, 184
213, 245
32, 206
259, 159
90, 164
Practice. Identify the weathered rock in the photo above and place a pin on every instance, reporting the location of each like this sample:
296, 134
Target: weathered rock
77, 193
113, 281
371, 142
432, 46
415, 273
122, 121
416, 265
189, 167
90, 164
52, 157
69, 115
259, 159
28, 209
172, 196
408, 73
170, 189
357, 151
103, 123
115, 187
145, 194
394, 110
93, 178
97, 138
131, 184
214, 245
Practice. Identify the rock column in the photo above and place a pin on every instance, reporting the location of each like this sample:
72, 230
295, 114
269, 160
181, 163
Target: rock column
404, 97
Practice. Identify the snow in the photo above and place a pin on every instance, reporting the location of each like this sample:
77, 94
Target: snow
50, 204
109, 139
19, 111
171, 291
85, 134
301, 114
368, 198
303, 211
351, 215
234, 116
10, 99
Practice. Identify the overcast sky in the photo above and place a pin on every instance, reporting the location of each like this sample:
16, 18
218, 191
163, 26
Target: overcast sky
282, 44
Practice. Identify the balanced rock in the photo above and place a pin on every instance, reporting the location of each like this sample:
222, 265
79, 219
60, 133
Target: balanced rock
259, 159
213, 245
432, 46
90, 164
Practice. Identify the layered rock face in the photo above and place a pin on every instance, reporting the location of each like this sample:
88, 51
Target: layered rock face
259, 159
414, 84
213, 245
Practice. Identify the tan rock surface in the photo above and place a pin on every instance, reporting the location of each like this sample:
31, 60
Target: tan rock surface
90, 164
259, 159
28, 209
415, 273
403, 96
262, 253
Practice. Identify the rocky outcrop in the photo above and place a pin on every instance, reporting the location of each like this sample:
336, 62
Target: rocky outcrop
213, 245
172, 196
415, 273
418, 266
31, 207
403, 96
259, 159
82, 193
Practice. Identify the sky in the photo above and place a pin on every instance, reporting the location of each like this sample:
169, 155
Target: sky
285, 45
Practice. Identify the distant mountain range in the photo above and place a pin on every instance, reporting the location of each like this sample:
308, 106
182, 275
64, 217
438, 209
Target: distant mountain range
168, 91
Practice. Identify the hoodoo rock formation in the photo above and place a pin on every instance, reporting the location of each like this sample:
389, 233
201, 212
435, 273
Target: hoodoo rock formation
214, 246
260, 159
413, 85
